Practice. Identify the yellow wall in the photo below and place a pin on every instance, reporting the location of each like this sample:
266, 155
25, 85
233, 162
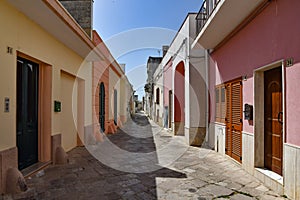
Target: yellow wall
86, 73
68, 111
114, 83
23, 35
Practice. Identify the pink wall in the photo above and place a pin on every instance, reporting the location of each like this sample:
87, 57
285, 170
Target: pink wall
167, 82
292, 104
271, 36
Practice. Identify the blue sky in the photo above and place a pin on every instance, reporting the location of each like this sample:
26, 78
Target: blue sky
133, 30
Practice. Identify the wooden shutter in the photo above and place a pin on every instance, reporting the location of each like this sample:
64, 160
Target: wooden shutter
234, 119
217, 96
236, 108
228, 120
223, 103
220, 103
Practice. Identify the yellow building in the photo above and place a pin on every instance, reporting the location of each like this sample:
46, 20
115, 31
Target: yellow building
46, 83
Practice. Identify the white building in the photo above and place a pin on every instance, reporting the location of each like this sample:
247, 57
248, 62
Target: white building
181, 76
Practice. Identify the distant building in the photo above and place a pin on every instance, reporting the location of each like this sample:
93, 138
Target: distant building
152, 65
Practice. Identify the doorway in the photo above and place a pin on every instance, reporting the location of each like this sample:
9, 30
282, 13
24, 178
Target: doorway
102, 107
27, 112
273, 120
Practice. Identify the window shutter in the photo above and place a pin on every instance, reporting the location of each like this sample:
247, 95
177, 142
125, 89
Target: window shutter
237, 120
217, 96
228, 121
223, 104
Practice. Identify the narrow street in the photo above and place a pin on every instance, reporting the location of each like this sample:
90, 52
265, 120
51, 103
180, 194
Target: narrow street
145, 162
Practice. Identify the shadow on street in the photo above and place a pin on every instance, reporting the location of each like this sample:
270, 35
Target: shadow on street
87, 178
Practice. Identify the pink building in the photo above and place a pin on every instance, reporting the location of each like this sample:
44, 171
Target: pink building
253, 77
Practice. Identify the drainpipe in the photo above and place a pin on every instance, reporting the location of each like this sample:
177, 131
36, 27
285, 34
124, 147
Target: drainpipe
207, 94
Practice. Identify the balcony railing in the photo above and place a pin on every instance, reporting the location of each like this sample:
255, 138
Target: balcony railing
204, 13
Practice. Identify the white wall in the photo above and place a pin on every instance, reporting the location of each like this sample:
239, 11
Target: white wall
194, 62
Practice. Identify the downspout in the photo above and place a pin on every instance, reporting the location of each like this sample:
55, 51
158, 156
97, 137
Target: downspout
207, 95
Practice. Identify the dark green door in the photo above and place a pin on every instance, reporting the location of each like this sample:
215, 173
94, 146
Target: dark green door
102, 107
27, 112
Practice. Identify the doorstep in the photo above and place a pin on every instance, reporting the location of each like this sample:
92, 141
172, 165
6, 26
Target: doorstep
34, 168
270, 179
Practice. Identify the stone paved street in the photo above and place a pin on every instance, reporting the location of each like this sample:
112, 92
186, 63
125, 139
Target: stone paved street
145, 162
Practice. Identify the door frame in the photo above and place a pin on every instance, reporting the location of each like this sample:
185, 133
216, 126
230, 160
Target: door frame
259, 112
44, 107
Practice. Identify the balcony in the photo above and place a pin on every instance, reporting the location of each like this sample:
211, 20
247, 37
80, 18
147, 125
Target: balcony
204, 14
217, 19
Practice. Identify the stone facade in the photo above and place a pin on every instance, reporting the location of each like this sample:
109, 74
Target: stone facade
82, 12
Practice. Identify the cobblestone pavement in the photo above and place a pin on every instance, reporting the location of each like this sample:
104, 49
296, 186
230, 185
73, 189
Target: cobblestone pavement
148, 163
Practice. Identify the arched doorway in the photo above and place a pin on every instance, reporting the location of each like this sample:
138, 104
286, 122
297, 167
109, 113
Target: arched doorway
179, 99
102, 107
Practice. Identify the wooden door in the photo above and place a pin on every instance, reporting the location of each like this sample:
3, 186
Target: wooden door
27, 112
102, 107
273, 142
233, 119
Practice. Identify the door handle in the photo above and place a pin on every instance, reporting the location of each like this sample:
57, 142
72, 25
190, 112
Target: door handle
278, 117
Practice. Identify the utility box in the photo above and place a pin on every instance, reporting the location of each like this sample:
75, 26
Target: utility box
248, 112
57, 106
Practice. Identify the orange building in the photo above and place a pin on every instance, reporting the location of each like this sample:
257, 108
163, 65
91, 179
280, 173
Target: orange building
112, 92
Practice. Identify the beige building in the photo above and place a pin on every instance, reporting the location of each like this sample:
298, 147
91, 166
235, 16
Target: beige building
46, 83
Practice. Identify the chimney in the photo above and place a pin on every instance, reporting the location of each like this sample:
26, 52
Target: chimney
82, 12
123, 67
165, 49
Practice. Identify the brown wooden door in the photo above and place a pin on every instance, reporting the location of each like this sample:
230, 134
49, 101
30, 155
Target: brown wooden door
234, 119
273, 143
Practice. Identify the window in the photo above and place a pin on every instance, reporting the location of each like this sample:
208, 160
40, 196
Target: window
157, 95
220, 103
